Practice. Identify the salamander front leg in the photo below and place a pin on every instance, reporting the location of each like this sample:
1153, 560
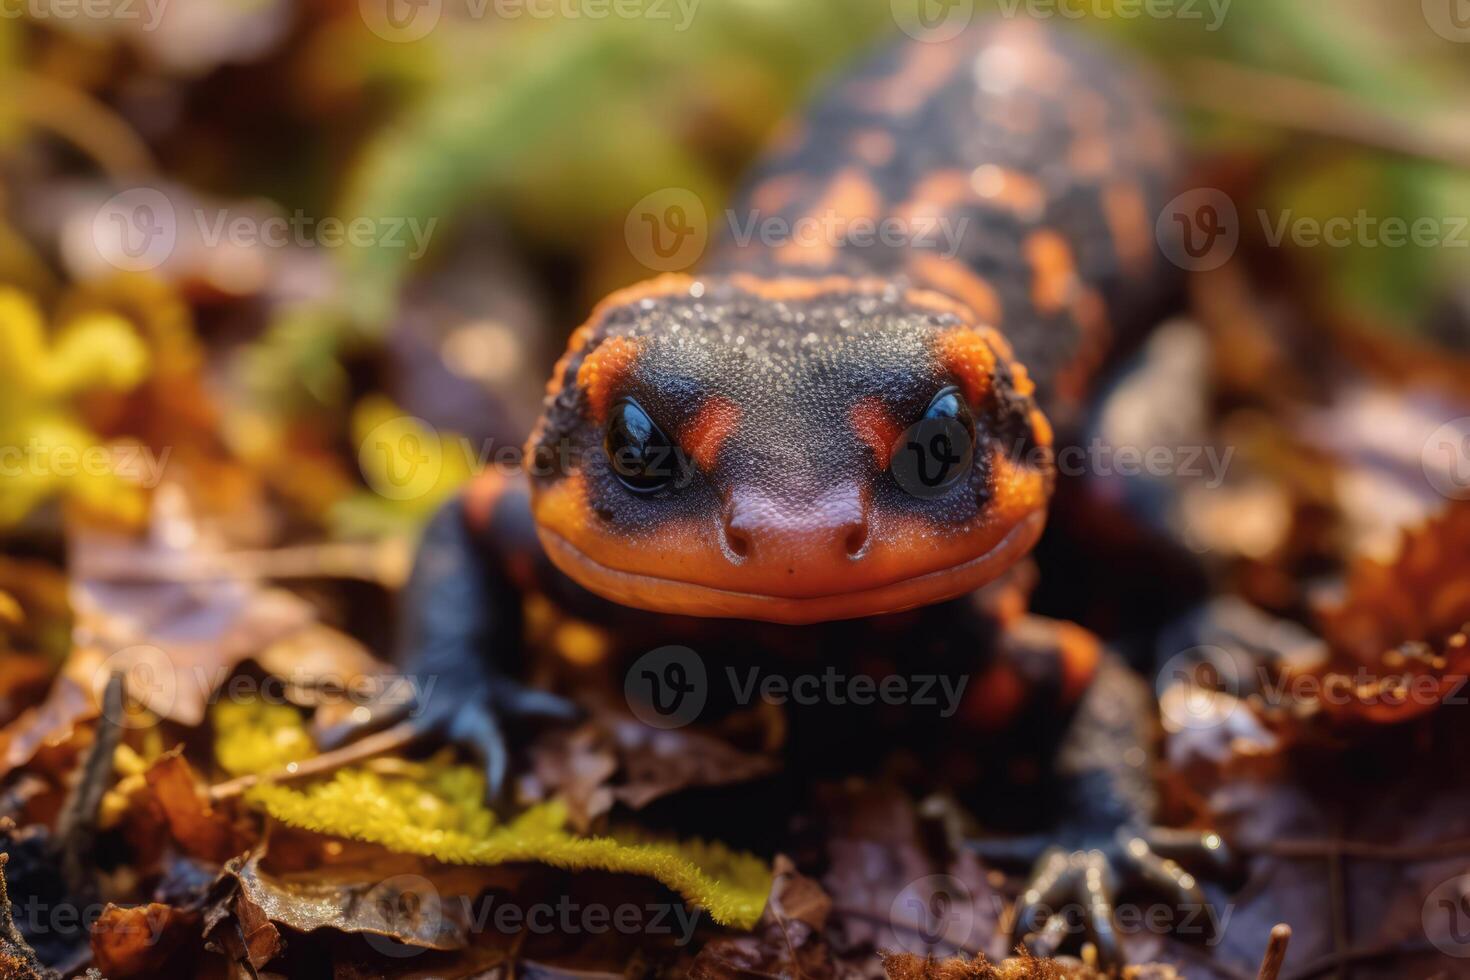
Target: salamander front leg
461, 621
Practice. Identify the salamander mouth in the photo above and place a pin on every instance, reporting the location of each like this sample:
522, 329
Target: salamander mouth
654, 593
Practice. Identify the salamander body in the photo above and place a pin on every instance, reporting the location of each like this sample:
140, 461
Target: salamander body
826, 452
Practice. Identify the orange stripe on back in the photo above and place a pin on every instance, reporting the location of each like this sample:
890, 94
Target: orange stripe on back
955, 278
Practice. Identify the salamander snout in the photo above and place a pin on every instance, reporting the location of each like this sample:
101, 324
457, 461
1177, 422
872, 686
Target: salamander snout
790, 533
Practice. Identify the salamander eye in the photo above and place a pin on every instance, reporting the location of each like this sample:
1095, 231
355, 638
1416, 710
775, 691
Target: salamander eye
641, 455
935, 452
949, 403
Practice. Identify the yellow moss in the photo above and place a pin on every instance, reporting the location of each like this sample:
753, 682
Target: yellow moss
436, 809
42, 442
254, 737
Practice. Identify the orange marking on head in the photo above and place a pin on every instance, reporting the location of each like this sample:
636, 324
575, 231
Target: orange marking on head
1056, 273
1127, 218
955, 278
876, 427
1019, 192
702, 438
970, 355
851, 197
603, 370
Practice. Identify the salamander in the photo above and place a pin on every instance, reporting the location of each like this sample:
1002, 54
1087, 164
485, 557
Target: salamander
834, 453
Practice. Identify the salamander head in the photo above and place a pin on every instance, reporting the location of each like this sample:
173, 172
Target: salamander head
787, 450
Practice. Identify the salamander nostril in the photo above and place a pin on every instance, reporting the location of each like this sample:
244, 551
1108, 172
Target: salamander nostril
856, 539
738, 541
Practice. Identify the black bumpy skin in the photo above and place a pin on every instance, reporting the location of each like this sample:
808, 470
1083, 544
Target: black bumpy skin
1021, 171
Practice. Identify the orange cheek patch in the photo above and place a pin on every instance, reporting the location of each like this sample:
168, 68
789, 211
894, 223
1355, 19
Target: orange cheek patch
604, 369
970, 357
703, 437
877, 428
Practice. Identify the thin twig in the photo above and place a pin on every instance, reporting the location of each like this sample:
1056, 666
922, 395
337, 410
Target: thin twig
1310, 107
383, 563
388, 740
1275, 952
81, 120
1362, 849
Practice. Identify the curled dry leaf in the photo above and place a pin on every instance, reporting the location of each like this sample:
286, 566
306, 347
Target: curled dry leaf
145, 940
53, 722
618, 759
177, 614
1399, 644
200, 830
